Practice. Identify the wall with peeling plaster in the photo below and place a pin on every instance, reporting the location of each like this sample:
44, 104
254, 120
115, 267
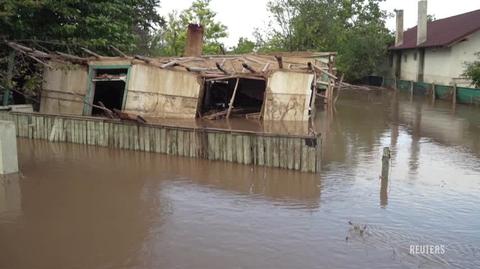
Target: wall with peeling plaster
158, 92
155, 92
288, 96
64, 88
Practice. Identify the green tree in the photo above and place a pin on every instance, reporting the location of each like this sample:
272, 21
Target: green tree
472, 71
172, 39
243, 46
94, 24
354, 28
66, 25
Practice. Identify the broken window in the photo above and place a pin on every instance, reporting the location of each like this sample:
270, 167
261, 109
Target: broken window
246, 98
108, 89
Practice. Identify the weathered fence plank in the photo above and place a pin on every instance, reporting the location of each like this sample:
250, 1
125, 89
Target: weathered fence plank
289, 152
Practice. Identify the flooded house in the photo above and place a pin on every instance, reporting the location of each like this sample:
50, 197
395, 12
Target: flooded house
435, 51
93, 100
280, 86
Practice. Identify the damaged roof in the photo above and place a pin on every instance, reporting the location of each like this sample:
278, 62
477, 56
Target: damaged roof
251, 65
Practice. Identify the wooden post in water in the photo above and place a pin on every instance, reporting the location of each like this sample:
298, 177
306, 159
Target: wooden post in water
384, 177
411, 89
433, 93
454, 95
385, 163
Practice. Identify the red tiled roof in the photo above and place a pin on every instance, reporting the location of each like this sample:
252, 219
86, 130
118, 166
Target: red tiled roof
443, 32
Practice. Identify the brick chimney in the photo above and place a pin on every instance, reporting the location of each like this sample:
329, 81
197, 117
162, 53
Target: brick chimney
422, 22
194, 43
399, 28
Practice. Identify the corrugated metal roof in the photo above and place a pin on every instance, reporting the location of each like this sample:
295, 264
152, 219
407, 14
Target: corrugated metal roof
443, 32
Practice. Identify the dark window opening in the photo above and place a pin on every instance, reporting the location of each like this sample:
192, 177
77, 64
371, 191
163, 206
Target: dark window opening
109, 89
248, 100
110, 93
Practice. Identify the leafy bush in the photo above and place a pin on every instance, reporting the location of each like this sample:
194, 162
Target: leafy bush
472, 71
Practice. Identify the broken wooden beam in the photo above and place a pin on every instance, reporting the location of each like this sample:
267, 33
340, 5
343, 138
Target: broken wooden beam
108, 112
216, 115
249, 68
91, 53
280, 61
230, 105
129, 116
39, 61
142, 58
169, 64
118, 51
265, 68
28, 50
71, 57
219, 67
325, 72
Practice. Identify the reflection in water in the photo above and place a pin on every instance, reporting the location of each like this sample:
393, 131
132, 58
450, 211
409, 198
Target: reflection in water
416, 136
10, 196
384, 192
84, 207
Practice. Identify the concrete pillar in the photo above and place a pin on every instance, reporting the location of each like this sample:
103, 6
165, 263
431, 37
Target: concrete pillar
422, 22
399, 27
8, 148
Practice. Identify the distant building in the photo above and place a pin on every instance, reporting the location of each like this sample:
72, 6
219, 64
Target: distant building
435, 51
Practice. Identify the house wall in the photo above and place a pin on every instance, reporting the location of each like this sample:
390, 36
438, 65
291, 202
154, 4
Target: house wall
446, 64
155, 92
64, 88
442, 65
288, 96
409, 65
437, 66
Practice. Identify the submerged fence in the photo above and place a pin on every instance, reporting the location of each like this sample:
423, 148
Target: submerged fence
274, 150
462, 95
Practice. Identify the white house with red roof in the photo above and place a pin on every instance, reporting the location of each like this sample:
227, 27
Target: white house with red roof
435, 51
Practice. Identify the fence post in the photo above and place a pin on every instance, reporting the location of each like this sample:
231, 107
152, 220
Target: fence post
433, 92
454, 95
8, 148
411, 89
384, 177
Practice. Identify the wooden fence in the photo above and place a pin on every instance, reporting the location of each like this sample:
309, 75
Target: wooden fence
283, 151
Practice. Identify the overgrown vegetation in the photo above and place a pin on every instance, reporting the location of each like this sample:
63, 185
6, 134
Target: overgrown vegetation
355, 29
472, 71
67, 25
93, 24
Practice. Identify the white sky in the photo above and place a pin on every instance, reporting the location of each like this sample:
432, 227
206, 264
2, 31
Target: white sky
243, 16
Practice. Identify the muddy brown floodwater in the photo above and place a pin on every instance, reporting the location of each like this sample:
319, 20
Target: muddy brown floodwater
77, 206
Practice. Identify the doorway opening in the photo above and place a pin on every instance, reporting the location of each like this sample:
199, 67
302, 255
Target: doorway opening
247, 100
108, 89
